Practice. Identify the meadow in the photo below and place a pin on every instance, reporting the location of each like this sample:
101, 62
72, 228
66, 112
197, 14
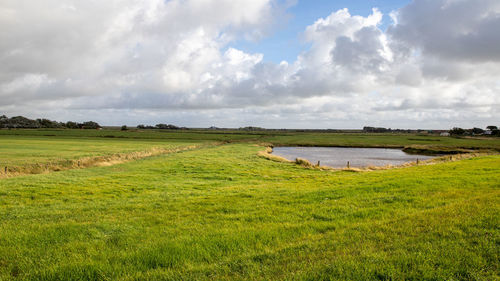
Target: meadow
208, 207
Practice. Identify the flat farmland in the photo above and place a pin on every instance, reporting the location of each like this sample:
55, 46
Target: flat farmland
219, 211
25, 150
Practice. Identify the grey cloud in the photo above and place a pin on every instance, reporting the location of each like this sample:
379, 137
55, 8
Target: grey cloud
452, 29
409, 75
362, 53
434, 68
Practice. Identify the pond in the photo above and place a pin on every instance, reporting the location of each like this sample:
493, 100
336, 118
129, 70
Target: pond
358, 157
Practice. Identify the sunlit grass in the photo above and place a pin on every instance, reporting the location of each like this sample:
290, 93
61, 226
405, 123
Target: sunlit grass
225, 213
21, 150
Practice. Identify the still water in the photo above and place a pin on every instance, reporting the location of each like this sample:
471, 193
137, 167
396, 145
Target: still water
358, 157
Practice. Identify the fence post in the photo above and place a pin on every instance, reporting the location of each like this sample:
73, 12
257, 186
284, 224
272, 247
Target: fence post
348, 165
318, 163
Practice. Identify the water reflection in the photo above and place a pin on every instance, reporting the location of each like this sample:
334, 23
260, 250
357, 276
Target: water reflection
357, 157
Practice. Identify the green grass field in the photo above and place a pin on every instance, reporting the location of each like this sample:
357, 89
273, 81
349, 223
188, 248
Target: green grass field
221, 212
21, 150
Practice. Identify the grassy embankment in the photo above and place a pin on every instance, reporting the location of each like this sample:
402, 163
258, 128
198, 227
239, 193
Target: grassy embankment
223, 212
35, 154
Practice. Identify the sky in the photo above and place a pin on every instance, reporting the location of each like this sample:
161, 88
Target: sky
429, 64
285, 44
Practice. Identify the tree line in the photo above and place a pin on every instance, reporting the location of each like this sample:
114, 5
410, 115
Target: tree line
160, 126
21, 122
490, 130
368, 129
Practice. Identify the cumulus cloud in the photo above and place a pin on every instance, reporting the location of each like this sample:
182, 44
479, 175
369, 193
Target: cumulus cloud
146, 61
126, 47
461, 30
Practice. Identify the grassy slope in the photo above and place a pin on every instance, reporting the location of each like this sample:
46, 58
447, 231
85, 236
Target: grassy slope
224, 213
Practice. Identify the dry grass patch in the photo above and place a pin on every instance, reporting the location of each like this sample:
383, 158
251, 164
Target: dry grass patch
268, 155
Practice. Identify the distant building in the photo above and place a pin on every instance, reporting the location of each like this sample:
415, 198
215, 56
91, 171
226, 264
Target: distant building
488, 132
445, 134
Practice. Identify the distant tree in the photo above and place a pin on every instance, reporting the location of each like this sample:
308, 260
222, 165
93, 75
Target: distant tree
173, 127
477, 131
142, 127
71, 125
251, 128
46, 123
491, 128
89, 125
161, 126
22, 122
124, 128
457, 131
495, 132
4, 120
376, 130
166, 127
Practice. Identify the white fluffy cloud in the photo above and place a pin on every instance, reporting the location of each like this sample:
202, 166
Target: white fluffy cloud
131, 61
